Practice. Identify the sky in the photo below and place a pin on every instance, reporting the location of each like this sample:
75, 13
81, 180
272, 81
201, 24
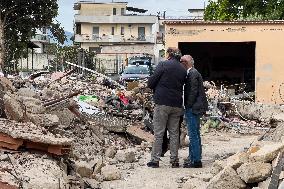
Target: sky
172, 8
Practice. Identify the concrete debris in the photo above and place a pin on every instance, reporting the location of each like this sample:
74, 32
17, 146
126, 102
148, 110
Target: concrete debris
32, 171
194, 183
254, 172
92, 183
110, 152
217, 167
98, 166
27, 92
32, 105
66, 117
264, 184
84, 169
111, 172
13, 108
226, 179
6, 85
204, 176
237, 160
90, 120
125, 156
267, 153
31, 132
45, 120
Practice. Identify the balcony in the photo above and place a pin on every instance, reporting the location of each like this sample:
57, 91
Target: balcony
113, 39
160, 38
116, 19
40, 38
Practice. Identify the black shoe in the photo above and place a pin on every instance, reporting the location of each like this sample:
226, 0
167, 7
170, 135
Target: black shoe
197, 164
175, 165
153, 164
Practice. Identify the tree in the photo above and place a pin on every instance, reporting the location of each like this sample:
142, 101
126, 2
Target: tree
19, 20
226, 10
220, 10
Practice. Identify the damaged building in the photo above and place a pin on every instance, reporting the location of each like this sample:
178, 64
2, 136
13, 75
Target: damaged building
114, 30
246, 54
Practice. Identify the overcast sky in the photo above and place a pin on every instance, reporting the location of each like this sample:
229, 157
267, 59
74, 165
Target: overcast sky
173, 8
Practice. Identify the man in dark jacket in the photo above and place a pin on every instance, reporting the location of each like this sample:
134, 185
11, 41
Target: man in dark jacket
167, 83
196, 105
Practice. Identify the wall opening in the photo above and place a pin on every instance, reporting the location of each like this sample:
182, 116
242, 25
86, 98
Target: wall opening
229, 63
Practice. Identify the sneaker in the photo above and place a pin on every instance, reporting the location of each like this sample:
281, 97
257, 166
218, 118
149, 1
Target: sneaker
197, 164
153, 164
175, 165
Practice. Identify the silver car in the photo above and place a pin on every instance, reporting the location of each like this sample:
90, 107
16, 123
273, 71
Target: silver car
134, 73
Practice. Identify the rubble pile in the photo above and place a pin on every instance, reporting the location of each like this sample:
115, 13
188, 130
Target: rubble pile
74, 124
231, 113
251, 168
82, 131
259, 167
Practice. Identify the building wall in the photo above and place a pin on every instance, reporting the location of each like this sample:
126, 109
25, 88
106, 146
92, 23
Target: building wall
40, 61
101, 9
269, 50
137, 48
87, 29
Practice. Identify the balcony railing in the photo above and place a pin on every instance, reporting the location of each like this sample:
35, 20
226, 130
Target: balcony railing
117, 19
40, 38
114, 39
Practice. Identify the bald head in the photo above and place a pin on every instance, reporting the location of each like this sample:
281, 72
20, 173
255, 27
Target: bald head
187, 61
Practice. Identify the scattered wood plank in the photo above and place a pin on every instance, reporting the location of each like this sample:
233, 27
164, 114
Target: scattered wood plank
5, 185
7, 141
138, 134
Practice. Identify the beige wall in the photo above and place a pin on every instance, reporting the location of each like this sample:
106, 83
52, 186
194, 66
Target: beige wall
101, 9
137, 48
269, 50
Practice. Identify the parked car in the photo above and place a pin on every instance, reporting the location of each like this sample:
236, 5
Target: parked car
142, 61
134, 73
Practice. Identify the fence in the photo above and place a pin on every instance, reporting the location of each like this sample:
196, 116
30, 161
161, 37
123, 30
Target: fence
109, 66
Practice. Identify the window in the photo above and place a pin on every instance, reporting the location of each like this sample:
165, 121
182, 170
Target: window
44, 30
78, 29
122, 11
96, 31
114, 11
122, 31
112, 30
141, 33
97, 50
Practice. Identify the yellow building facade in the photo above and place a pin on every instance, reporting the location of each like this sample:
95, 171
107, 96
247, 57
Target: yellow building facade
239, 52
103, 24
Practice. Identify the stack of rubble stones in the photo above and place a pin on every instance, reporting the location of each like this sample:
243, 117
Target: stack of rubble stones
248, 169
97, 154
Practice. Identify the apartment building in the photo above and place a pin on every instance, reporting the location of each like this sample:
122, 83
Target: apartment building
37, 57
114, 28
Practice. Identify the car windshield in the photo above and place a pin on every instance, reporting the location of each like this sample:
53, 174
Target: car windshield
136, 70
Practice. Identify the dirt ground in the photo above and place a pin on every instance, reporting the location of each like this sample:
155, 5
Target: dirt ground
215, 146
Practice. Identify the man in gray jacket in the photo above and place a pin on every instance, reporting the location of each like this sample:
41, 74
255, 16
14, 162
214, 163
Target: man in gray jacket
196, 105
167, 83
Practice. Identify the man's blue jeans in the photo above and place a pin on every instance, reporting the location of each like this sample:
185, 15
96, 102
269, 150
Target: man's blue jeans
193, 127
